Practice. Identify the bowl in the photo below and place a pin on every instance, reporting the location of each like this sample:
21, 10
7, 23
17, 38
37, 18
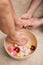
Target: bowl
25, 51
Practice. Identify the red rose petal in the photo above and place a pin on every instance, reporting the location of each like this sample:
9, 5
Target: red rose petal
33, 48
17, 49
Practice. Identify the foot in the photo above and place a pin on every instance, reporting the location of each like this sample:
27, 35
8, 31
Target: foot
20, 39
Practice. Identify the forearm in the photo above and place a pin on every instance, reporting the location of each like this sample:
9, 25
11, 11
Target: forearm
34, 5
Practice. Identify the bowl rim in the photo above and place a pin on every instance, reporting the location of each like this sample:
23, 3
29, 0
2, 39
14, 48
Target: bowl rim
19, 58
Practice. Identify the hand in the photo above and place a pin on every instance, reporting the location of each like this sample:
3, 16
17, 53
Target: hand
18, 23
21, 23
27, 15
33, 23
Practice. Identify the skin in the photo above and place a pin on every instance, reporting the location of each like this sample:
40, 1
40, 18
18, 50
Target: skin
28, 21
17, 20
24, 21
33, 7
7, 22
33, 23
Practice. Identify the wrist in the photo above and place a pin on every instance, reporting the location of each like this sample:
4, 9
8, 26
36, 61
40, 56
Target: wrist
30, 13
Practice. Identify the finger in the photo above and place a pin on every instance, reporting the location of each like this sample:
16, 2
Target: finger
24, 27
24, 17
29, 27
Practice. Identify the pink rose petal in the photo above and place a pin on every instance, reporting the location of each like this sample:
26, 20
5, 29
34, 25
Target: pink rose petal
14, 53
29, 51
10, 48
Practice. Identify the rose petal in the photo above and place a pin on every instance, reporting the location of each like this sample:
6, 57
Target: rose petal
14, 53
10, 48
17, 49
